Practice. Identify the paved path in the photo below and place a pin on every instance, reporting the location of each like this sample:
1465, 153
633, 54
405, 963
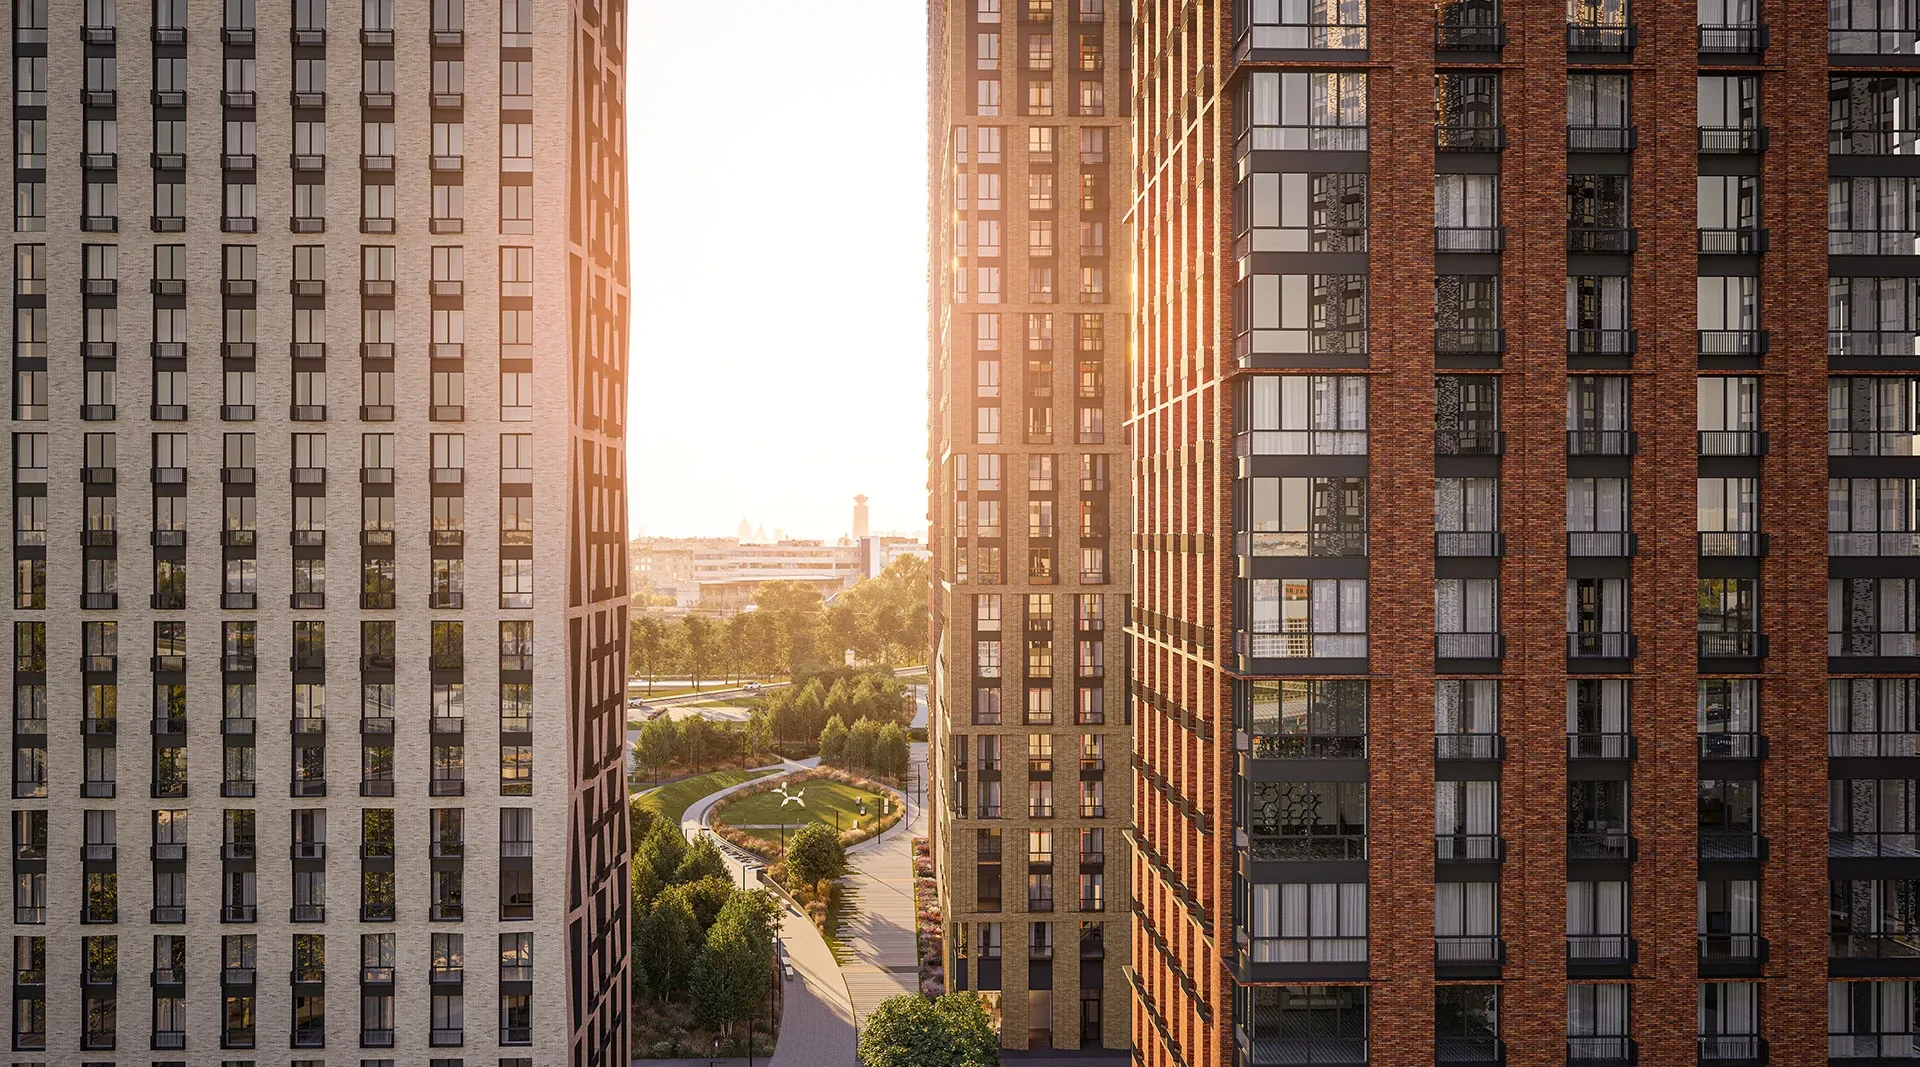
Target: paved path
816, 1020
879, 954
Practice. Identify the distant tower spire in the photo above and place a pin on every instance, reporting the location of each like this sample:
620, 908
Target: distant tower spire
859, 517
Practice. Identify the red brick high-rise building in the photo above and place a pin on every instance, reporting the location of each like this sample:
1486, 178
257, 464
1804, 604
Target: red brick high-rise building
1483, 407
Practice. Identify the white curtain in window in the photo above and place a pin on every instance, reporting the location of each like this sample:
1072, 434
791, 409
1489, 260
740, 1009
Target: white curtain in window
1596, 908
1728, 1008
1596, 504
1463, 706
1597, 1010
1466, 200
1466, 909
1467, 605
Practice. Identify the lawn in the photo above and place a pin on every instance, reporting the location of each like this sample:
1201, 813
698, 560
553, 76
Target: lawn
673, 800
823, 799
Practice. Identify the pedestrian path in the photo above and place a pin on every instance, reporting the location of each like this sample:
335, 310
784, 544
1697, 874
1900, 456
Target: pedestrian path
878, 951
816, 1016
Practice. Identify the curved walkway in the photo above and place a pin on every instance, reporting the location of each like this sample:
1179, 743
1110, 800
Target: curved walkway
877, 932
817, 1016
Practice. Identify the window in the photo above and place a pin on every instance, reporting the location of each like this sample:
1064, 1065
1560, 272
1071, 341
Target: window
1300, 313
1302, 820
1299, 922
1294, 111
1294, 618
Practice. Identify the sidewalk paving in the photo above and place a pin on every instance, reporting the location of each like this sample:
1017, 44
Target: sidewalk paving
877, 932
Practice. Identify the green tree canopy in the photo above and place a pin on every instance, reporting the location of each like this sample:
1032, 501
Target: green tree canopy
665, 941
912, 1031
814, 855
833, 741
662, 849
702, 860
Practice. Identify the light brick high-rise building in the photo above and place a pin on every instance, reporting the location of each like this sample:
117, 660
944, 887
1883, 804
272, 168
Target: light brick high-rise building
1028, 134
317, 458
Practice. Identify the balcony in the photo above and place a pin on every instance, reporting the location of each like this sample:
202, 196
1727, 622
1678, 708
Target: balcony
1602, 38
1469, 848
1603, 342
1733, 1050
1617, 949
376, 1038
1601, 644
307, 913
441, 1037
1469, 746
1473, 138
1733, 39
1602, 239
1732, 845
307, 787
1448, 441
1732, 140
1469, 950
1611, 544
1733, 443
1732, 948
1884, 543
1743, 241
1472, 543
447, 787
1602, 442
1448, 341
1603, 1051
1469, 646
167, 914
1602, 138
1853, 643
168, 1039
1316, 543
1872, 443
1469, 37
1469, 238
239, 913
1720, 746
1602, 845
1602, 746
1737, 543
1872, 243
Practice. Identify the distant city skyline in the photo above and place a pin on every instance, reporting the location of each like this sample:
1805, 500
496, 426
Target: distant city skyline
766, 381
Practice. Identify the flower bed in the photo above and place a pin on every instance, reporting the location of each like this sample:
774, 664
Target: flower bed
930, 928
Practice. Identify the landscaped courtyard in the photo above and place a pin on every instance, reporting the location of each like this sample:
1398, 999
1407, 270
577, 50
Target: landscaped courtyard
822, 801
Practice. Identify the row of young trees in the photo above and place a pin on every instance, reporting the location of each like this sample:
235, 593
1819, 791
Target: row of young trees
800, 712
696, 743
867, 746
696, 935
791, 630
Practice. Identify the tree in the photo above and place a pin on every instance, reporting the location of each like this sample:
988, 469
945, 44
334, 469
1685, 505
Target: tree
663, 849
702, 860
729, 979
842, 629
795, 608
734, 645
665, 942
702, 646
647, 644
760, 642
912, 1031
860, 740
814, 855
640, 820
707, 896
759, 732
697, 741
891, 752
833, 741
659, 743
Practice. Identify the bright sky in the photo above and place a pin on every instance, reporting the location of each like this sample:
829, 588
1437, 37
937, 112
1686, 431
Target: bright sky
778, 162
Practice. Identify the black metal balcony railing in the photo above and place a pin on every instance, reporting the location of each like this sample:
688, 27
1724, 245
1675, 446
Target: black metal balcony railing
1470, 138
1602, 845
1873, 343
1461, 441
1602, 138
1604, 543
1602, 239
1302, 746
1469, 238
1483, 848
1733, 442
1734, 1050
1477, 543
1602, 746
1745, 240
1602, 1051
1867, 844
1736, 644
1469, 746
1733, 746
1588, 38
1455, 948
1601, 644
1733, 39
1469, 646
1603, 342
1732, 948
1600, 948
1469, 37
1452, 341
1602, 442
1732, 845
1872, 643
1732, 543
1732, 140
